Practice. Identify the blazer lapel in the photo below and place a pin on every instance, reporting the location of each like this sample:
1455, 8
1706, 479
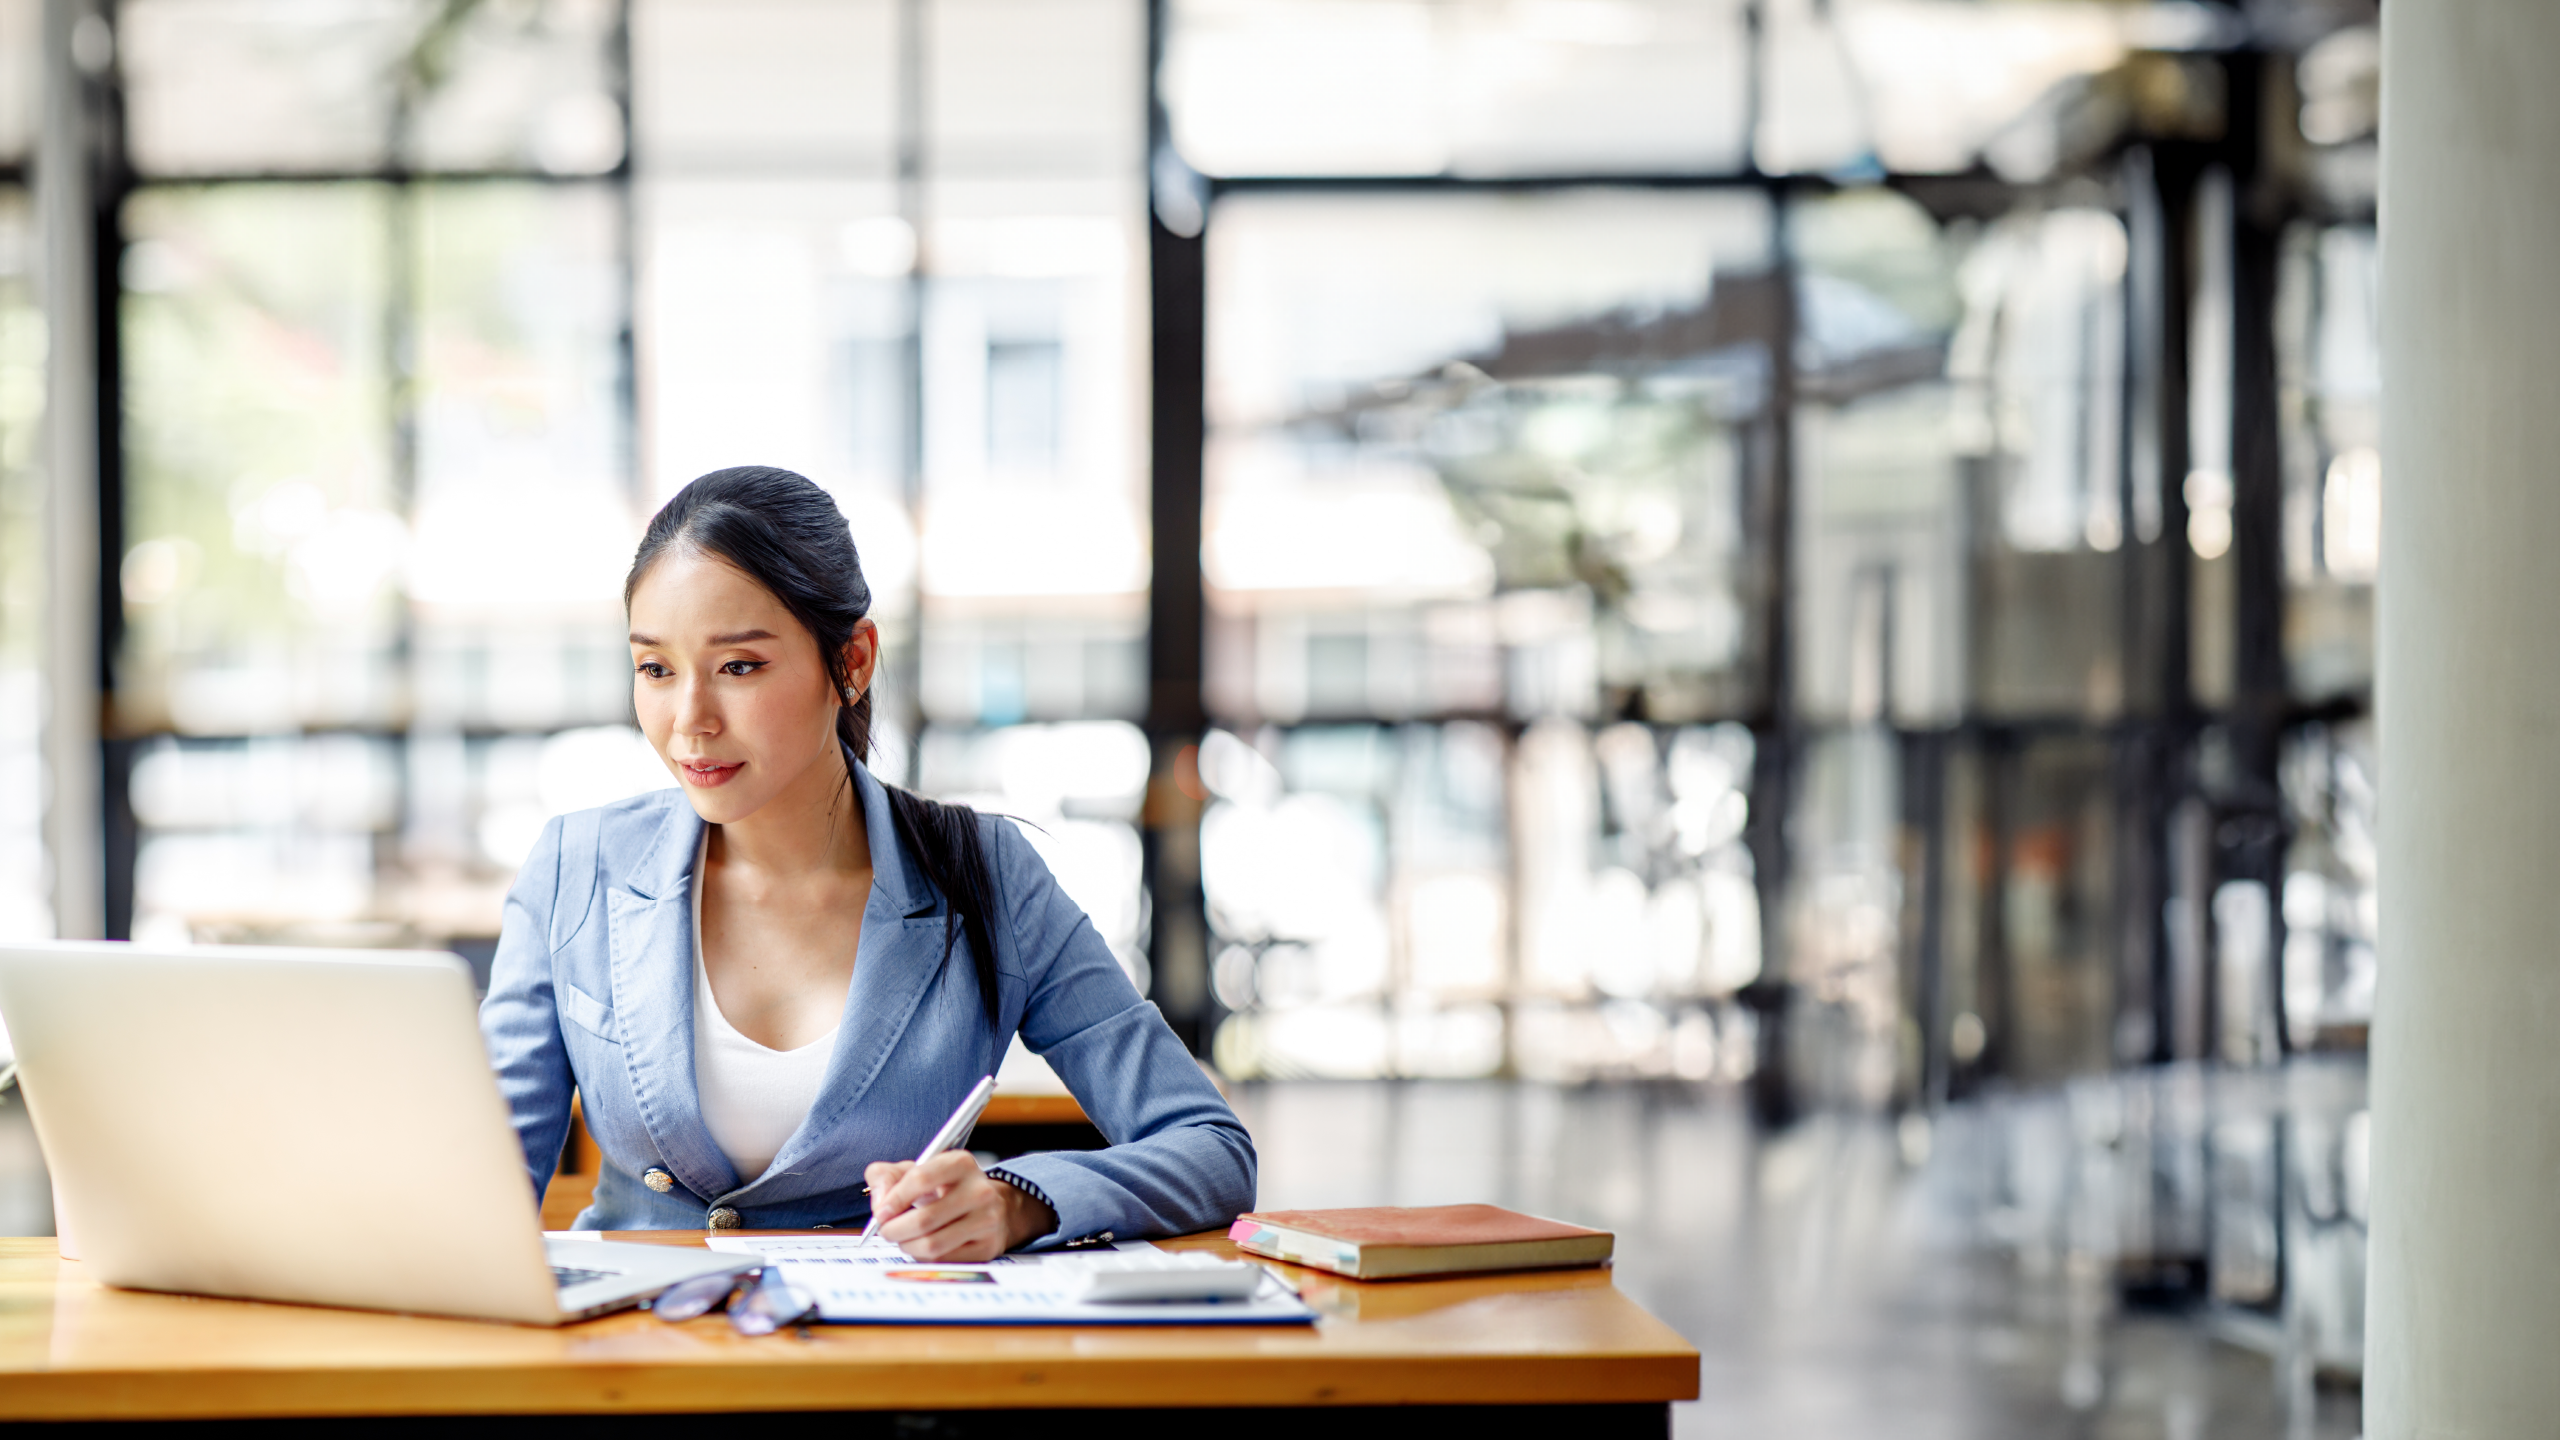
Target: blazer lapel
894, 965
651, 918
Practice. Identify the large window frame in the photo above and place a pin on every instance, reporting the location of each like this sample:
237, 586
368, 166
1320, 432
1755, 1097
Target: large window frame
2195, 788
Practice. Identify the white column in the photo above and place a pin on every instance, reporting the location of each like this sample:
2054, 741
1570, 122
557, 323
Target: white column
75, 42
2463, 1319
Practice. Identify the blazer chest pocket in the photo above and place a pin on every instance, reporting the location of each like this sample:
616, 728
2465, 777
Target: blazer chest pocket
587, 1013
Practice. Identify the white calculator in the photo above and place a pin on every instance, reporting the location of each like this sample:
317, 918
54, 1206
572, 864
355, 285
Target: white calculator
1137, 1276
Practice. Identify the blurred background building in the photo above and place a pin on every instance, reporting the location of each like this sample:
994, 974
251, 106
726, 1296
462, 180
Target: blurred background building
1821, 549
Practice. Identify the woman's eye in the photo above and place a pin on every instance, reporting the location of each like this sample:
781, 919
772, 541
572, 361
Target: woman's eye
742, 667
653, 669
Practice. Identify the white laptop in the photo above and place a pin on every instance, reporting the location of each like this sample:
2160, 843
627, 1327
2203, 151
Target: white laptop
318, 1126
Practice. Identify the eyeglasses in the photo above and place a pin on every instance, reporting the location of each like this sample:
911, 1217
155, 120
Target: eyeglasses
759, 1302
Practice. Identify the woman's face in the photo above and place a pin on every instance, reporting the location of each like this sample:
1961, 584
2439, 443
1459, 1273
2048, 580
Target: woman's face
729, 686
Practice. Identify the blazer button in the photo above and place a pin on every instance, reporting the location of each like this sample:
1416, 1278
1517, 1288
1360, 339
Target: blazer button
724, 1218
657, 1179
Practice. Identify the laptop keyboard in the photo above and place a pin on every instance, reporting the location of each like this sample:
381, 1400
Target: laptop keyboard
564, 1276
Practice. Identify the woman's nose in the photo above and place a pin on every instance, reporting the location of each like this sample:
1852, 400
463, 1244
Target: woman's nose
695, 714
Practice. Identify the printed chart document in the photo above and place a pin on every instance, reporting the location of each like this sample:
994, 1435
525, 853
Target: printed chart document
855, 1283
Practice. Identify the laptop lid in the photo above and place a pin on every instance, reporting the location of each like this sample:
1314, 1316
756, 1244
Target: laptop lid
278, 1124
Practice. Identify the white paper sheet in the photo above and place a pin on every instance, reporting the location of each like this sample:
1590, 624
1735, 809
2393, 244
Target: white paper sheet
876, 1284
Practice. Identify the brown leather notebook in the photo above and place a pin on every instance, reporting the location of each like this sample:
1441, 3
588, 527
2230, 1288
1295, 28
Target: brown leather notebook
1384, 1242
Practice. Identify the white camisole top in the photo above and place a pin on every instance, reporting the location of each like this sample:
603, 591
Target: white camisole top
752, 1098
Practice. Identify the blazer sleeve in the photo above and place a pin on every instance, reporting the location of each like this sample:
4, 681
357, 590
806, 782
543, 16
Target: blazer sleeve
1179, 1159
519, 1020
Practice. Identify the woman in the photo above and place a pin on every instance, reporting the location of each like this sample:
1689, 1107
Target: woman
771, 985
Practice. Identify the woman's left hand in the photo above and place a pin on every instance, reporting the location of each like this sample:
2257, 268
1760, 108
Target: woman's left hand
947, 1209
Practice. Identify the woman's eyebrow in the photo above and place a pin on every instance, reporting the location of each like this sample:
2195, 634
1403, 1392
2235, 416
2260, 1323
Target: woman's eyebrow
737, 637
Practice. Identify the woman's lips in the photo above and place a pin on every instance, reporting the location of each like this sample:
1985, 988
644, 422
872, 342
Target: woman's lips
708, 773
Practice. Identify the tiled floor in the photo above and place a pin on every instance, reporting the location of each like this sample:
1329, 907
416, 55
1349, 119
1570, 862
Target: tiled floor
1835, 1291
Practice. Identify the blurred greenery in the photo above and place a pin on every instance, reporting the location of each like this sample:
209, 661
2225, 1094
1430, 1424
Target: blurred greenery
256, 405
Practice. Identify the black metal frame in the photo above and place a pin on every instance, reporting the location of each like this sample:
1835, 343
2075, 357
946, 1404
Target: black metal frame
2156, 741
111, 179
117, 182
2171, 754
1177, 601
2159, 743
1178, 604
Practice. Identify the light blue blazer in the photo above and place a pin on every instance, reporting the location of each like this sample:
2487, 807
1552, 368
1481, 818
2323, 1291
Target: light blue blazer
592, 992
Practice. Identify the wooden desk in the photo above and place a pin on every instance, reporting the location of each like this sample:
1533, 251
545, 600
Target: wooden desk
74, 1350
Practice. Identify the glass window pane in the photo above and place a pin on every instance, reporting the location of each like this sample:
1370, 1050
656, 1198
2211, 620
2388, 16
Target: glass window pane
523, 87
310, 556
787, 312
2032, 982
1578, 86
2328, 365
263, 839
522, 511
234, 86
2331, 905
1033, 452
21, 23
1078, 784
1940, 86
1880, 505
774, 321
766, 86
2055, 973
1033, 541
1468, 86
1477, 454
266, 531
1036, 87
1379, 893
2036, 365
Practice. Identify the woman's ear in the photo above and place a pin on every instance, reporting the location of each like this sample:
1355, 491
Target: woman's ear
861, 659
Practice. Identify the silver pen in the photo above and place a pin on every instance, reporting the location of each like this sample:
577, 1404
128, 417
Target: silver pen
953, 1131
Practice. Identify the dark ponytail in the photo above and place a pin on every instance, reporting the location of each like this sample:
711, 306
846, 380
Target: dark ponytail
786, 534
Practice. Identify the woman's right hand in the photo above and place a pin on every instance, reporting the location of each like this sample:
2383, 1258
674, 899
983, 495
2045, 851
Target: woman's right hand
948, 1209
